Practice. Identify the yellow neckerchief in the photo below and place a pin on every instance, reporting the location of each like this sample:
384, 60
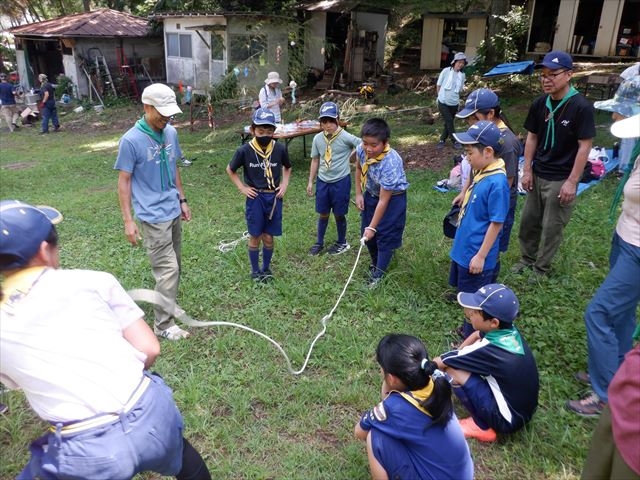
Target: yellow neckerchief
329, 140
18, 286
416, 397
266, 160
493, 168
371, 161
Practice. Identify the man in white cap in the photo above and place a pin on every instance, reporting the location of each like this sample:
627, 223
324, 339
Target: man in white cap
270, 96
150, 181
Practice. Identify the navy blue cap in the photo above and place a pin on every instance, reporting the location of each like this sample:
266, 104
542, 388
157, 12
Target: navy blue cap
329, 109
23, 228
480, 99
555, 60
495, 299
483, 132
264, 116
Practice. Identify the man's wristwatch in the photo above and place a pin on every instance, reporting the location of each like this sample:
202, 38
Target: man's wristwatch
183, 200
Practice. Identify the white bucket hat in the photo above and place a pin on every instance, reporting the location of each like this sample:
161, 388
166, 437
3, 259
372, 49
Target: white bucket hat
273, 77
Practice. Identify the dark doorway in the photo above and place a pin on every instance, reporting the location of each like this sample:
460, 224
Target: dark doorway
545, 16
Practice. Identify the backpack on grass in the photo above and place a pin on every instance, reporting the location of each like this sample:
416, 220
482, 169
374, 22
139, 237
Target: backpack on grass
595, 168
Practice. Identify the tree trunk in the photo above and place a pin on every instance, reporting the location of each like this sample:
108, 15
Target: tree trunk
498, 7
86, 5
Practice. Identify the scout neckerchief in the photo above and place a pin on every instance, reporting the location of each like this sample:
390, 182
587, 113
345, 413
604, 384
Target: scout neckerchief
491, 169
18, 286
416, 397
266, 160
327, 152
371, 161
635, 153
166, 181
551, 124
509, 340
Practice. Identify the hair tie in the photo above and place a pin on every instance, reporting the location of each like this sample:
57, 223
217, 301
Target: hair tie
424, 363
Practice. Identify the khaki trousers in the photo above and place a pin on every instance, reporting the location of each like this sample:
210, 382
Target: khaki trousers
163, 242
10, 115
542, 223
604, 461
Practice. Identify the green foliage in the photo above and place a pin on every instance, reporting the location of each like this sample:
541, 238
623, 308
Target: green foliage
64, 85
226, 89
505, 44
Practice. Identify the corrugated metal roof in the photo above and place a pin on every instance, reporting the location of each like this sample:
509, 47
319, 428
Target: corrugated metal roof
98, 23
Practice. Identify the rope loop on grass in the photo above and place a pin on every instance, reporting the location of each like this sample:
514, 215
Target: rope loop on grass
172, 308
225, 247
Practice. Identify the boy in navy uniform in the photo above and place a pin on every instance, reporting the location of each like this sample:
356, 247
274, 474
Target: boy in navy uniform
381, 196
333, 189
267, 170
474, 253
494, 372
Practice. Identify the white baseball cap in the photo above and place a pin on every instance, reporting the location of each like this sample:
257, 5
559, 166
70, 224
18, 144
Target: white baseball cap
162, 97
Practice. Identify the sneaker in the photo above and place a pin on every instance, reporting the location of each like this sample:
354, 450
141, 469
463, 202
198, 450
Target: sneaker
15, 126
374, 282
520, 267
44, 133
172, 333
256, 276
3, 408
56, 129
588, 406
266, 275
536, 277
338, 248
316, 249
582, 377
440, 144
472, 430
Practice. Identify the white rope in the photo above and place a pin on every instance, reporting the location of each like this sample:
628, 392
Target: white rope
159, 300
225, 247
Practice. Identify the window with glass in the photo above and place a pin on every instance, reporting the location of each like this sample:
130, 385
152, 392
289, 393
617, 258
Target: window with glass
246, 47
217, 47
179, 45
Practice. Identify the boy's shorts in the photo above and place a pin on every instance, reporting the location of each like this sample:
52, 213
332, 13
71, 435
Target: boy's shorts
391, 226
464, 281
478, 399
333, 196
257, 213
392, 455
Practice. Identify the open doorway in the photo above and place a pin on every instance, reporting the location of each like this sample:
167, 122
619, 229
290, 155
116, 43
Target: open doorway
586, 26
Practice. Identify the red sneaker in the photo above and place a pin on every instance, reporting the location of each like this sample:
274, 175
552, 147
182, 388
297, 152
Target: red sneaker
472, 430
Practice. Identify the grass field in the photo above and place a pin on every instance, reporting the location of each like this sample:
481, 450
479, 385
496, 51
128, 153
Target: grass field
249, 417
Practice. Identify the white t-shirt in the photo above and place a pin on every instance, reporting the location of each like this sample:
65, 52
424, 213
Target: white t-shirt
62, 343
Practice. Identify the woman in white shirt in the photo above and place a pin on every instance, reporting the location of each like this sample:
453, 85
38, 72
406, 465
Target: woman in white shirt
270, 96
450, 84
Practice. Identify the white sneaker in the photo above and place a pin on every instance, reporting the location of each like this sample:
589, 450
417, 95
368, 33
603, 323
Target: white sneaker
172, 333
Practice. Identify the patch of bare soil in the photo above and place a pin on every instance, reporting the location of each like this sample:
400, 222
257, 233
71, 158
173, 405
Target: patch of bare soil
18, 165
428, 156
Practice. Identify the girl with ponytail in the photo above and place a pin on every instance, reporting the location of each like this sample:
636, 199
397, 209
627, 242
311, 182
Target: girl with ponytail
413, 432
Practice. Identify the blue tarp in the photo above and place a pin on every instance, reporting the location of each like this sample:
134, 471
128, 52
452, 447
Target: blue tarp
511, 68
